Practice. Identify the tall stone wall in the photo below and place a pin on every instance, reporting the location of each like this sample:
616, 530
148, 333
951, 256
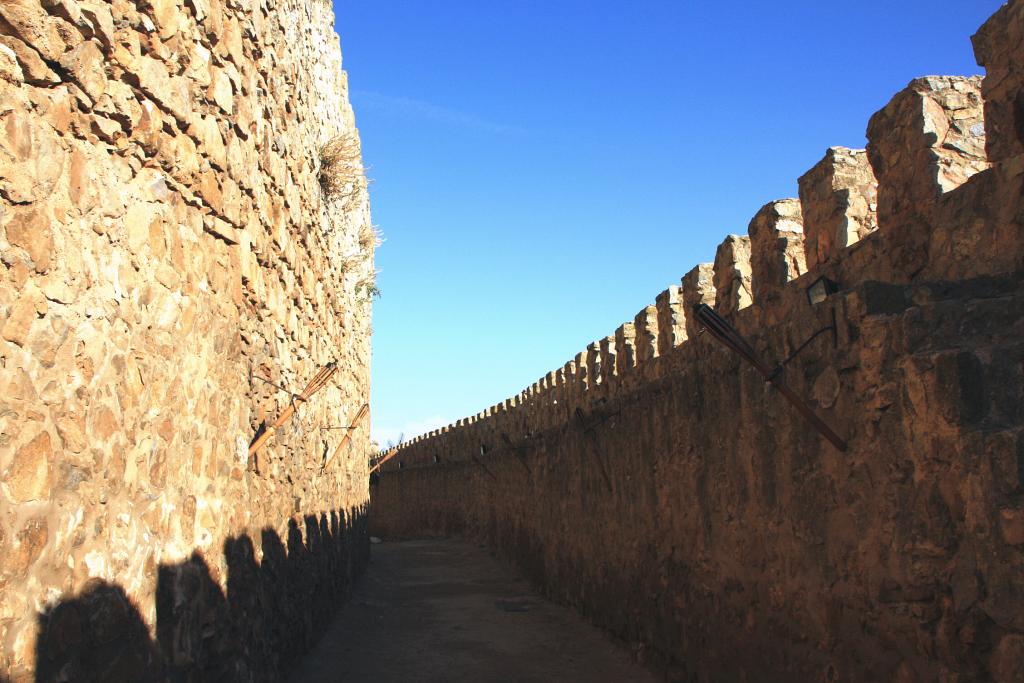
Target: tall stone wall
185, 240
678, 500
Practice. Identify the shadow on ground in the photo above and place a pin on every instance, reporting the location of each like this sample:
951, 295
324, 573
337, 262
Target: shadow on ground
273, 611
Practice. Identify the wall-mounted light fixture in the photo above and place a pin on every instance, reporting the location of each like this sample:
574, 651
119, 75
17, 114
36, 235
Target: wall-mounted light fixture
821, 289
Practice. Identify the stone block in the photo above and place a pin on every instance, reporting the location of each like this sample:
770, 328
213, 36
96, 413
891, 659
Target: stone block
210, 142
928, 140
594, 372
671, 319
999, 47
170, 92
32, 158
10, 69
1007, 661
29, 476
33, 68
101, 21
838, 198
29, 228
582, 376
29, 305
625, 344
608, 360
698, 287
85, 63
645, 325
221, 91
776, 250
732, 275
30, 24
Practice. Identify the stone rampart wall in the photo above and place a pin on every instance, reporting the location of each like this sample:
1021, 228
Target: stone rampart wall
658, 484
185, 240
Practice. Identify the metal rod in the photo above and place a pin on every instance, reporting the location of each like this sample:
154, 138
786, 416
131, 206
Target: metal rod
279, 387
588, 432
363, 412
315, 384
725, 333
477, 461
516, 452
383, 459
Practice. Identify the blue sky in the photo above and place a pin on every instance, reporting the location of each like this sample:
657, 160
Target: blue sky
541, 170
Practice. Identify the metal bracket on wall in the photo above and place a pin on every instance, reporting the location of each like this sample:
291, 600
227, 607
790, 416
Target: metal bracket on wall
363, 412
835, 342
483, 449
383, 459
731, 339
517, 451
590, 432
314, 385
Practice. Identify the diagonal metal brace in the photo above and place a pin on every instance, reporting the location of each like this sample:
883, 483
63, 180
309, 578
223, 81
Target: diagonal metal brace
589, 431
725, 333
315, 384
517, 451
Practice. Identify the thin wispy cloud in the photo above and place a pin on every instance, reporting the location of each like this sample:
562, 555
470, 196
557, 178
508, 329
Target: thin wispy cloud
411, 108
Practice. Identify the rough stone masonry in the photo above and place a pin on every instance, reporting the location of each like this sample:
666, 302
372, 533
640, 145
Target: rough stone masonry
659, 485
185, 241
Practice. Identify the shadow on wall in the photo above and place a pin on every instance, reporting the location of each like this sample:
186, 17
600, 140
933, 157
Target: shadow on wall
272, 613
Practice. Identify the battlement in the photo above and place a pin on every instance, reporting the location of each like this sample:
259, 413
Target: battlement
902, 211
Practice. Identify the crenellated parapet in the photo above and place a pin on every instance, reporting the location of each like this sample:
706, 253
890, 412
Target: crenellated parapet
922, 202
733, 288
776, 251
838, 198
999, 45
927, 141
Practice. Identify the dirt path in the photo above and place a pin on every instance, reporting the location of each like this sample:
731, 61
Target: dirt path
433, 611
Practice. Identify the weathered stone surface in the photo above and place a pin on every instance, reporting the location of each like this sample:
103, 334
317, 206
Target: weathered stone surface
999, 47
29, 476
31, 157
733, 290
170, 92
928, 140
609, 364
776, 250
694, 484
31, 541
671, 319
23, 312
165, 242
646, 326
838, 198
29, 228
30, 23
10, 70
625, 345
1007, 663
698, 287
85, 64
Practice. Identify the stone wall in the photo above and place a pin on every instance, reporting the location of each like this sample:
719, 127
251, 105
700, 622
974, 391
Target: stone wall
675, 498
185, 240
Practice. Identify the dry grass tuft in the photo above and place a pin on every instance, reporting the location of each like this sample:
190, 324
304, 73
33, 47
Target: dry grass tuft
370, 237
342, 175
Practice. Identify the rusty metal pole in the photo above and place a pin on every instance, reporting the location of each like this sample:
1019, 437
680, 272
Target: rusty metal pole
363, 412
314, 385
728, 336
